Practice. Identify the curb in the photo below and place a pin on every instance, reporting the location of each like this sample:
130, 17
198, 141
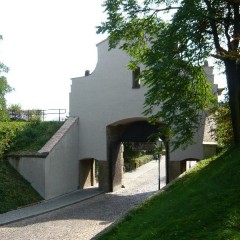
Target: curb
48, 206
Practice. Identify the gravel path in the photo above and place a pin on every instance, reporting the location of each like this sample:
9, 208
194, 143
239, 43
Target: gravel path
86, 219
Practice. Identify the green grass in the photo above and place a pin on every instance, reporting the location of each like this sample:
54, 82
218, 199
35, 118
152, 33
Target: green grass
33, 136
20, 137
14, 190
205, 204
25, 136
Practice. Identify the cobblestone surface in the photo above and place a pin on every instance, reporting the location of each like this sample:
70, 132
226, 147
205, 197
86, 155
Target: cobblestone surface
86, 219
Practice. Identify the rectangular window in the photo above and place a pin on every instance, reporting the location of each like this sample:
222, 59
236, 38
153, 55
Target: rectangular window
135, 78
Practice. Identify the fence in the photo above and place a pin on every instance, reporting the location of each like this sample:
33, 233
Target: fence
27, 115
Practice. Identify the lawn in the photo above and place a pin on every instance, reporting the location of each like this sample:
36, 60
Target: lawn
14, 190
205, 204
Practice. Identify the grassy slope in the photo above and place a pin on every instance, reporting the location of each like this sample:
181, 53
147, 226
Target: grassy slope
205, 204
34, 135
20, 136
14, 190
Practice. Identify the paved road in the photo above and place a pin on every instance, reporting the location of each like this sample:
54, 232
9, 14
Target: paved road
86, 219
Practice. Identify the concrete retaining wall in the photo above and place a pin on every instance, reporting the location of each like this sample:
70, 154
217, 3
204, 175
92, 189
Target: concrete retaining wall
32, 168
53, 170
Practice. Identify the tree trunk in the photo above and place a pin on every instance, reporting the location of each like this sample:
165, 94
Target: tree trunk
233, 82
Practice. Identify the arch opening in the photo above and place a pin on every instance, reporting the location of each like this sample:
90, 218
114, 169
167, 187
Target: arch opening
135, 131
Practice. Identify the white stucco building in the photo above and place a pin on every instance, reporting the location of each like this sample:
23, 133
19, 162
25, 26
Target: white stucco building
105, 110
109, 107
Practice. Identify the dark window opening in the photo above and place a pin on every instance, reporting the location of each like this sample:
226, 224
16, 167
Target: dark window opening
135, 78
87, 73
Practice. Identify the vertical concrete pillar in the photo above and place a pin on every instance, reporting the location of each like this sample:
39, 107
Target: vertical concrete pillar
117, 165
167, 148
174, 169
103, 176
114, 157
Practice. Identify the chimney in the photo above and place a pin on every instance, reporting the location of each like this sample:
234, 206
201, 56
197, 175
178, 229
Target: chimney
87, 73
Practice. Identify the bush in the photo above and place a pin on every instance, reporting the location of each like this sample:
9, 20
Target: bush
34, 136
25, 136
129, 153
134, 159
8, 132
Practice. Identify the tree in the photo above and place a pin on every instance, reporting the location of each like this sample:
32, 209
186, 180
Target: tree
14, 112
4, 89
173, 52
224, 130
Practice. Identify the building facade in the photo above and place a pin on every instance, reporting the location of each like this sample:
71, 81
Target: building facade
109, 105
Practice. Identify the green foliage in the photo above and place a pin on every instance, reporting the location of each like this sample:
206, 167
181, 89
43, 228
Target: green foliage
134, 158
17, 114
25, 136
204, 204
4, 89
224, 130
8, 132
129, 156
129, 153
139, 161
15, 107
33, 136
173, 52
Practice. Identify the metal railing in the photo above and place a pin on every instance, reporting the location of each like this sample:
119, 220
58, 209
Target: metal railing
28, 115
58, 112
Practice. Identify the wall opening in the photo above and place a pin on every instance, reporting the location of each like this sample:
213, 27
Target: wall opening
136, 78
133, 131
88, 173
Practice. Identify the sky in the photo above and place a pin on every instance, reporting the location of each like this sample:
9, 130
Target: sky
45, 44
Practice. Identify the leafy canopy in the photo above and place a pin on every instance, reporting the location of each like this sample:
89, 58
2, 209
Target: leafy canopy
4, 89
173, 52
224, 132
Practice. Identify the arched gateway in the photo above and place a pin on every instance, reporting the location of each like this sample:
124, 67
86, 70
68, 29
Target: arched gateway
109, 105
134, 130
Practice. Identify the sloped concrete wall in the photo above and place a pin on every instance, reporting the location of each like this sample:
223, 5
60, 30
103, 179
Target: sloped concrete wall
61, 164
53, 170
32, 168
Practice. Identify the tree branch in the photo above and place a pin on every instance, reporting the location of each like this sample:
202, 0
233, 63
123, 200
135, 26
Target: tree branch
226, 26
236, 24
214, 27
155, 10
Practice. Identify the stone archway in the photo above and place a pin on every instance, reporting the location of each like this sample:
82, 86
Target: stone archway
128, 130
